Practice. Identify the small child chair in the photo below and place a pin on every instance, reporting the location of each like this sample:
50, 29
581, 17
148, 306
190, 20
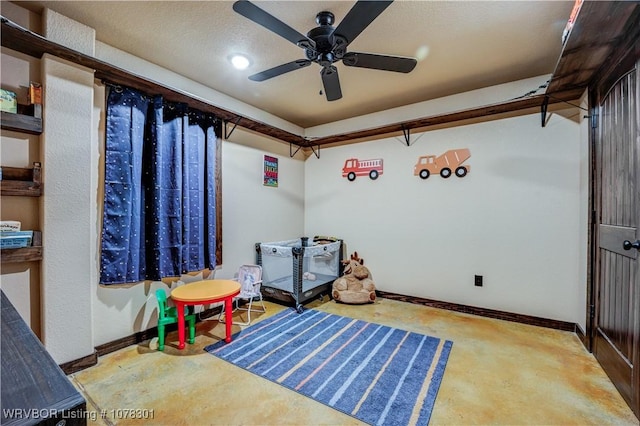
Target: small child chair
167, 315
250, 279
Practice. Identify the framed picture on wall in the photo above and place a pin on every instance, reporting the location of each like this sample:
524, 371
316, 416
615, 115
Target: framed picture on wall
270, 171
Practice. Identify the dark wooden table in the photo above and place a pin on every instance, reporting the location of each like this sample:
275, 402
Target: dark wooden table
35, 391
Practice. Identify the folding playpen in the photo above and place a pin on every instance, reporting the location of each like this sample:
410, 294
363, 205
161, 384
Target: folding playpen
295, 271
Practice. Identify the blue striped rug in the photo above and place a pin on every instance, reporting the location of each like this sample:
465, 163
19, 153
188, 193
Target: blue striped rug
377, 374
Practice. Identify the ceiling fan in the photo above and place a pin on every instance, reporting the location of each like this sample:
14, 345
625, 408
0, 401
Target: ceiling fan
326, 45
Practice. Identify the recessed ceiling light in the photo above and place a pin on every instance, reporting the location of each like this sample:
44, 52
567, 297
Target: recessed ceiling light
240, 62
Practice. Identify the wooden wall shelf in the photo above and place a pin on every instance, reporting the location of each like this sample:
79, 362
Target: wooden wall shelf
21, 123
24, 254
18, 188
21, 182
593, 42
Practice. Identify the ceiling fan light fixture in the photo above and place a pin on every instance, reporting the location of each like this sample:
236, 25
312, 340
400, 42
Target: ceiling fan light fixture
240, 62
422, 52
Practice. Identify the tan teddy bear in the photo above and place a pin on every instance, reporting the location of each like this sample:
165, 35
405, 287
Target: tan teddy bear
356, 285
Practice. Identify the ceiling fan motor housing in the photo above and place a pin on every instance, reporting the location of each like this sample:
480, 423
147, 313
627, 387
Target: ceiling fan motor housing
327, 48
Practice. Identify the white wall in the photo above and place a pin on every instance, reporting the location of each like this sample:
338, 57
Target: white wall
69, 207
253, 212
512, 219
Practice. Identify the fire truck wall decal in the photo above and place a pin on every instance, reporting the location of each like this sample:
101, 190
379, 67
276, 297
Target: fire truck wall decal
444, 165
354, 167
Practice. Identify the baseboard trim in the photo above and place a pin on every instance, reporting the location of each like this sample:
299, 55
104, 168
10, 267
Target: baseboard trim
91, 360
148, 334
582, 336
483, 312
80, 363
133, 339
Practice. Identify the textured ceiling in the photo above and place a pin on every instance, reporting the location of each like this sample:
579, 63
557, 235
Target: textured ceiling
460, 45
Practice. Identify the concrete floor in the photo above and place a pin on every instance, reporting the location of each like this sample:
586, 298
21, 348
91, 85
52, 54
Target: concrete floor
499, 373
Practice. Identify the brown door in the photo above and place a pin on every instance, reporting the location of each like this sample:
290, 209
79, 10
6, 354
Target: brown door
617, 292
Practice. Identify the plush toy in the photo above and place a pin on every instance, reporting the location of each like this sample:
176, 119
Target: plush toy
355, 286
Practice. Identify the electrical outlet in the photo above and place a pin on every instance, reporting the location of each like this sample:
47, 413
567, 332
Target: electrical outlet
478, 281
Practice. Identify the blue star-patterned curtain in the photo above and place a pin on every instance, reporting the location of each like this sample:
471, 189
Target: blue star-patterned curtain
159, 194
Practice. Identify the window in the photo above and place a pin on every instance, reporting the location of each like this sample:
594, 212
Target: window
162, 190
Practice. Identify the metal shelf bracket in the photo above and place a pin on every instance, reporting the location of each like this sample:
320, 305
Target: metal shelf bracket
317, 153
227, 134
406, 132
292, 153
543, 111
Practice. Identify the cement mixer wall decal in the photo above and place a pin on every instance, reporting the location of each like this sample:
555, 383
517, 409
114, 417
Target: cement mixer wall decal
444, 165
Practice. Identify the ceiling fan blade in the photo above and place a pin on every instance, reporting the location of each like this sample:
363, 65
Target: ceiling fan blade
280, 69
270, 22
359, 17
331, 83
379, 62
